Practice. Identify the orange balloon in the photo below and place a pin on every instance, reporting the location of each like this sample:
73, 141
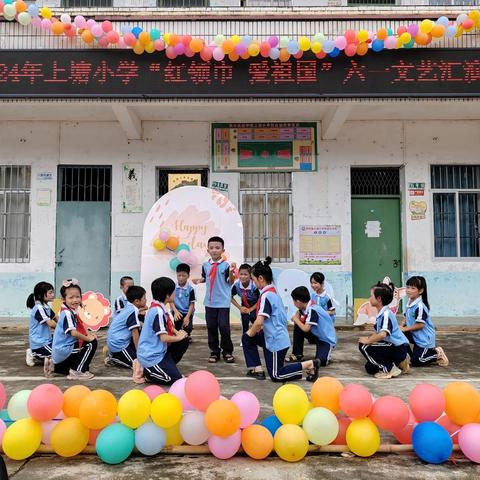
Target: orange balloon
245, 55
222, 418
438, 31
144, 38
173, 39
138, 48
196, 45
72, 398
21, 6
326, 393
233, 56
382, 34
421, 38
98, 409
228, 46
257, 442
462, 403
57, 28
87, 36
173, 243
284, 55
362, 49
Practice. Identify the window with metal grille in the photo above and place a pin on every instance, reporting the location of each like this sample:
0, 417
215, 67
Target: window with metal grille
182, 3
267, 213
14, 213
86, 3
84, 183
456, 210
375, 181
169, 179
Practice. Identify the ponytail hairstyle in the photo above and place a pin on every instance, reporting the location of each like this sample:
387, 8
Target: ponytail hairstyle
419, 282
262, 269
39, 291
384, 292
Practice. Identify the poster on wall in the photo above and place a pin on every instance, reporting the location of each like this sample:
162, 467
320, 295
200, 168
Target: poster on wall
264, 146
418, 209
176, 180
132, 188
177, 230
320, 245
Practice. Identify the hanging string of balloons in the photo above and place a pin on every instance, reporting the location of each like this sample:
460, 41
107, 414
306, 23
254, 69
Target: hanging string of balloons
238, 47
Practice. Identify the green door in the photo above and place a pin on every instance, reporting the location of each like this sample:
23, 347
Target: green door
376, 243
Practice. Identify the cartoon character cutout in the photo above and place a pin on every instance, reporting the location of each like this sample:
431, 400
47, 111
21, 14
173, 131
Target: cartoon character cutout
95, 311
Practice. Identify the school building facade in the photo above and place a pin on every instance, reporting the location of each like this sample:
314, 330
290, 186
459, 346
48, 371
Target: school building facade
356, 187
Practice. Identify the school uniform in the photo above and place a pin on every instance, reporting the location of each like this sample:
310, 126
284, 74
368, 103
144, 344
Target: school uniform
217, 306
159, 359
322, 333
119, 303
325, 301
273, 338
120, 344
423, 352
67, 352
39, 336
249, 297
184, 297
381, 356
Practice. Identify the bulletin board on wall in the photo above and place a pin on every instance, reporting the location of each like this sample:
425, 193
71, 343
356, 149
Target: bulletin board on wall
250, 147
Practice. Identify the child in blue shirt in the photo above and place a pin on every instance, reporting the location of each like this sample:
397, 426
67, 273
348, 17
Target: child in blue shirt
184, 303
270, 332
124, 330
320, 296
219, 277
161, 346
72, 351
125, 283
42, 319
248, 293
419, 328
312, 322
385, 350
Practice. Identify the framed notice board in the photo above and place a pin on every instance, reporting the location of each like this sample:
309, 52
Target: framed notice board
264, 146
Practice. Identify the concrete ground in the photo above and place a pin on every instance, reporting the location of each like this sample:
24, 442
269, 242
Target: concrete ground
461, 348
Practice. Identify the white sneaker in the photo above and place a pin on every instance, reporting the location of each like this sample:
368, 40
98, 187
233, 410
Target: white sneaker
442, 360
75, 375
394, 372
48, 367
29, 358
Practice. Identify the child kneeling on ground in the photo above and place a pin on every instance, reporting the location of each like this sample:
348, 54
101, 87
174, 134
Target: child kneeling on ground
314, 323
385, 350
161, 347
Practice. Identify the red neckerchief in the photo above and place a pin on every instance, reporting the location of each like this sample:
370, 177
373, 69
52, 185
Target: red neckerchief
80, 326
270, 289
213, 275
243, 293
156, 304
303, 318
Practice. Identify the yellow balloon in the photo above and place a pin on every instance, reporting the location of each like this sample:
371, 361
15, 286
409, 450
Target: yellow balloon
304, 44
45, 12
166, 410
22, 439
362, 36
405, 37
236, 39
150, 48
316, 47
159, 244
363, 437
290, 443
69, 437
253, 49
290, 404
426, 26
134, 408
174, 437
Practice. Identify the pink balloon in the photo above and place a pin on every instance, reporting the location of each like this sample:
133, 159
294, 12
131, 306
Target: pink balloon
189, 52
390, 42
178, 389
249, 407
206, 54
80, 21
390, 413
46, 24
179, 48
36, 22
183, 256
113, 37
45, 402
159, 46
97, 30
450, 427
469, 441
343, 423
427, 402
153, 391
273, 41
121, 43
47, 428
129, 39
192, 259
340, 42
103, 41
404, 435
90, 23
356, 401
413, 29
170, 52
3, 428
3, 396
107, 26
225, 447
163, 236
201, 389
218, 54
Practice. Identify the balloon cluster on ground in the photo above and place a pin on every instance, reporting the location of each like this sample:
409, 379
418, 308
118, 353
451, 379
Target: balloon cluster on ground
235, 47
194, 412
182, 252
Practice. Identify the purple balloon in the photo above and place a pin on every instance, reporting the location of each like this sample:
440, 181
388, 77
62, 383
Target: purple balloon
46, 23
225, 447
412, 29
179, 48
240, 48
90, 23
80, 21
273, 41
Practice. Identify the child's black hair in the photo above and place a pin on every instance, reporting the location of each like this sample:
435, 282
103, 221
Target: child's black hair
135, 292
419, 282
384, 292
39, 292
245, 266
216, 239
63, 290
161, 288
262, 269
318, 277
124, 279
301, 294
183, 267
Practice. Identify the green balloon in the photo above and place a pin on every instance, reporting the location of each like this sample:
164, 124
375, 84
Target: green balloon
115, 443
321, 426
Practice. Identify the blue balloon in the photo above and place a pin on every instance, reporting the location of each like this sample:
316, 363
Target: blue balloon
174, 263
150, 439
272, 423
247, 40
377, 45
137, 31
115, 443
155, 34
33, 10
126, 29
335, 52
292, 47
328, 46
183, 246
274, 53
432, 443
7, 2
